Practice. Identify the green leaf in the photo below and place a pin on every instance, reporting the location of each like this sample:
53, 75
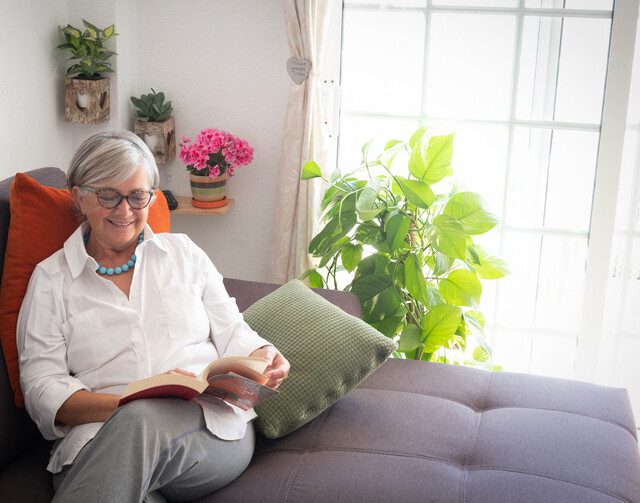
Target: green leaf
447, 236
461, 288
434, 297
490, 267
397, 228
93, 31
321, 241
334, 248
368, 233
417, 165
72, 32
416, 192
392, 143
468, 209
311, 169
137, 102
437, 158
351, 256
440, 263
386, 303
409, 338
414, 279
372, 264
439, 325
416, 137
315, 279
368, 287
109, 31
366, 205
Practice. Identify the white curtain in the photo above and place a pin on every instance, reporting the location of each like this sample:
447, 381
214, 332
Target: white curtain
303, 139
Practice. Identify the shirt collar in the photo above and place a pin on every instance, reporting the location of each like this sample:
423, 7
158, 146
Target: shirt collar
77, 256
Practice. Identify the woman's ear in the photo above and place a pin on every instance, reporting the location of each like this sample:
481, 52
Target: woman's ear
77, 198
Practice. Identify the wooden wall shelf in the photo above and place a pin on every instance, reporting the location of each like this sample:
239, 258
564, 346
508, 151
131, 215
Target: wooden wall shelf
185, 208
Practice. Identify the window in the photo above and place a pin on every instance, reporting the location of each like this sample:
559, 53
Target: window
522, 82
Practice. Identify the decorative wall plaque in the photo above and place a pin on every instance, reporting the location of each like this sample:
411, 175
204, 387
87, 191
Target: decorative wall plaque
298, 69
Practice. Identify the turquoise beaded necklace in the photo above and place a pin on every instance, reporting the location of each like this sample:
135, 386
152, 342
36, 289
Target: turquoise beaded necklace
110, 271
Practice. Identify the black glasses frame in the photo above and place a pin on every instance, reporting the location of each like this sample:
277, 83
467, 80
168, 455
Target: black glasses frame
120, 197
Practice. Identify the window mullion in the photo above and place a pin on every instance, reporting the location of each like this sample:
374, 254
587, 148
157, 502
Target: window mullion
607, 179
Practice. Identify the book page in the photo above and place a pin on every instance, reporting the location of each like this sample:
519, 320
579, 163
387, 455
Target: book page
238, 390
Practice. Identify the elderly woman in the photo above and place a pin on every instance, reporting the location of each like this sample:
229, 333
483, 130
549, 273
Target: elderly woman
119, 303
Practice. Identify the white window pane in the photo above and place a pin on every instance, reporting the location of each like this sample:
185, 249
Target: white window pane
626, 370
625, 189
571, 178
631, 312
589, 4
571, 4
553, 355
567, 53
382, 59
560, 283
527, 177
511, 349
356, 131
480, 160
477, 3
583, 65
470, 65
388, 3
517, 292
615, 286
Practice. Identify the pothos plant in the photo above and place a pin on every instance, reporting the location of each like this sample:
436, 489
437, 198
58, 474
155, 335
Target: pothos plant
408, 250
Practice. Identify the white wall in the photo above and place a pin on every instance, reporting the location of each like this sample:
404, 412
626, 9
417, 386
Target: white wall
32, 104
221, 62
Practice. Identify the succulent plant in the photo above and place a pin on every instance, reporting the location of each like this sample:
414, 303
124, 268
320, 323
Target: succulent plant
151, 107
87, 49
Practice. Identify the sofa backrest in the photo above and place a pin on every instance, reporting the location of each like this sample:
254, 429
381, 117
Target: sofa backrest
17, 431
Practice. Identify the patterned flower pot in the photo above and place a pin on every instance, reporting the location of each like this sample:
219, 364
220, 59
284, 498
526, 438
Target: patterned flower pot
208, 192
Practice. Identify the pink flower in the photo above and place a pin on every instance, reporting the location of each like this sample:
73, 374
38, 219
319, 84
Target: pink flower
214, 152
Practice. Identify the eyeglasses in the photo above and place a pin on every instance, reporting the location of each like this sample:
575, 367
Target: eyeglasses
110, 198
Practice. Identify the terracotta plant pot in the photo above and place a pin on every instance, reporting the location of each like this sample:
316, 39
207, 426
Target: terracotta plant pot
210, 191
160, 137
86, 101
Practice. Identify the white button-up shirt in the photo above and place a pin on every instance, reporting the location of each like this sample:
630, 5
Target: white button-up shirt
77, 330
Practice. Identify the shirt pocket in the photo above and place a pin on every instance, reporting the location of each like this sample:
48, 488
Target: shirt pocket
184, 312
87, 347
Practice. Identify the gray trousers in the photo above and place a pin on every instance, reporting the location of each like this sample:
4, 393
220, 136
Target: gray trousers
149, 450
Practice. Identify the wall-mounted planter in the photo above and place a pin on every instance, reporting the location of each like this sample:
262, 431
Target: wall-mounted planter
160, 137
86, 101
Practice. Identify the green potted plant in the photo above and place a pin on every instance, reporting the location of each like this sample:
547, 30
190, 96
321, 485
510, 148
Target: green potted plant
404, 239
155, 125
87, 96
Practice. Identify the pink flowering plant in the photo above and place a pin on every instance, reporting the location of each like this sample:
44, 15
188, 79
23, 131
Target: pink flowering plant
214, 153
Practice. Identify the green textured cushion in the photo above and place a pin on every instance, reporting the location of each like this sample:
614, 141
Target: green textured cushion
330, 353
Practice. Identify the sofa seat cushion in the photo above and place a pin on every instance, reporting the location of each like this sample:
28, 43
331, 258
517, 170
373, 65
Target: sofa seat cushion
27, 478
416, 431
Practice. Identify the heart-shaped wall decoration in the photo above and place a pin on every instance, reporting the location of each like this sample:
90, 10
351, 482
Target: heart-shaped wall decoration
298, 69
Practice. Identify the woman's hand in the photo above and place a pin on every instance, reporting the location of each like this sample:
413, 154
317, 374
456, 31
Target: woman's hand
278, 368
181, 371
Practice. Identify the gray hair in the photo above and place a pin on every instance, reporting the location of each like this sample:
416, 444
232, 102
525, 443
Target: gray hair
110, 158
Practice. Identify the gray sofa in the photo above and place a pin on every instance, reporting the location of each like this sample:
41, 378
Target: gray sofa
412, 431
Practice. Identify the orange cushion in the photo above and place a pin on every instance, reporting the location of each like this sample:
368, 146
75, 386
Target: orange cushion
42, 219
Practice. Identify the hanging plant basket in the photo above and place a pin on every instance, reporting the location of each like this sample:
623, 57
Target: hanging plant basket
160, 137
86, 101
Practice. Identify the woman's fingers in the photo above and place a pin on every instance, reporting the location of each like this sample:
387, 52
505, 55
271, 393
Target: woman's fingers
181, 371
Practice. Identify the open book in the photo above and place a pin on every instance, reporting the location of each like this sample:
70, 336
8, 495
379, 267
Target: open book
238, 380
